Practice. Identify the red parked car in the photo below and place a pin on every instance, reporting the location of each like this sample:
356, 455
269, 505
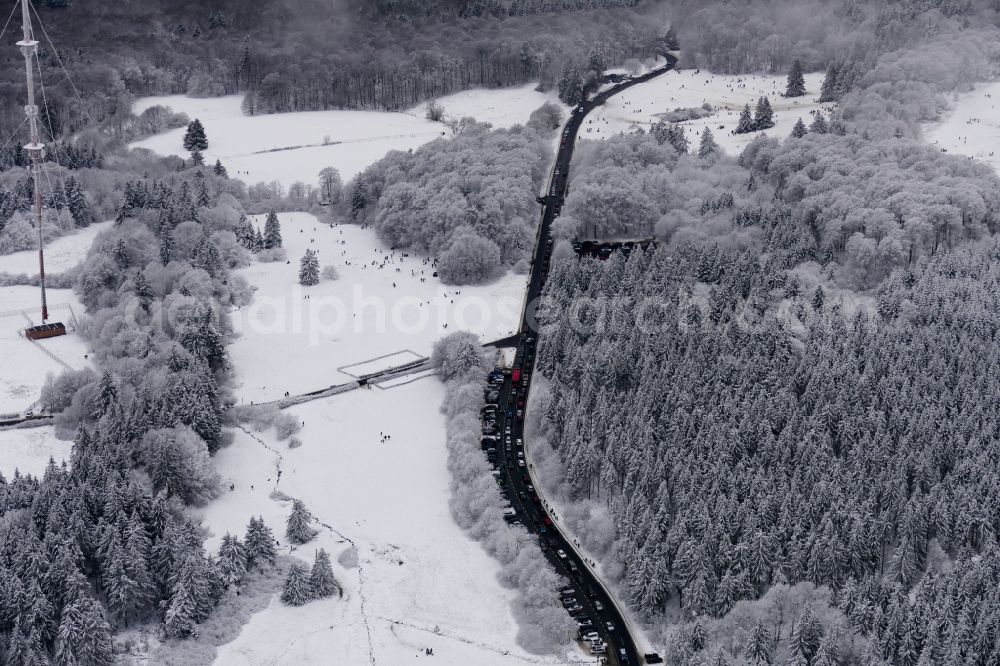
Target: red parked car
516, 376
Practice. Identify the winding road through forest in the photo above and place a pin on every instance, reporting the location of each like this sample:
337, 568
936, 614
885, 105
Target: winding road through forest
590, 591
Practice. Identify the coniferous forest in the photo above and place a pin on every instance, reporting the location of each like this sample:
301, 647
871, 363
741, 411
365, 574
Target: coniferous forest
744, 433
785, 408
105, 543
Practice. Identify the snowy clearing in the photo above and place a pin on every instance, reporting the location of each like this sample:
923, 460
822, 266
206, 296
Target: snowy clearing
354, 139
422, 583
972, 127
501, 107
390, 498
291, 147
642, 105
61, 254
29, 449
292, 343
25, 364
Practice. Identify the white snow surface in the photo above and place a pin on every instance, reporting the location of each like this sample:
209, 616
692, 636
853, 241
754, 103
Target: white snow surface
501, 107
355, 139
421, 583
61, 254
641, 105
972, 127
290, 343
29, 449
23, 364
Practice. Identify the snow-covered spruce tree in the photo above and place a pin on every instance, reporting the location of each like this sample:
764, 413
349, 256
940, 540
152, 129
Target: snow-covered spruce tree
180, 619
322, 582
818, 298
796, 86
799, 129
77, 203
194, 137
745, 124
259, 544
124, 210
570, 84
763, 115
272, 231
220, 170
596, 62
200, 337
244, 233
232, 561
197, 159
819, 125
296, 591
758, 647
121, 254
708, 146
27, 646
309, 269
84, 636
202, 198
298, 530
193, 589
659, 131
359, 196
677, 137
828, 90
106, 397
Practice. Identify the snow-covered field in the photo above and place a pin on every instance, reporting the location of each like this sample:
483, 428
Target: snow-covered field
29, 449
23, 364
972, 127
60, 255
390, 498
642, 105
383, 303
353, 139
502, 107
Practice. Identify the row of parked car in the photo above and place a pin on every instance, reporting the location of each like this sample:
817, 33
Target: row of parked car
586, 630
494, 438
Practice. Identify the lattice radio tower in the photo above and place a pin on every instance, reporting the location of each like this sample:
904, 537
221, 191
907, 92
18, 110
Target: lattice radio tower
36, 149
